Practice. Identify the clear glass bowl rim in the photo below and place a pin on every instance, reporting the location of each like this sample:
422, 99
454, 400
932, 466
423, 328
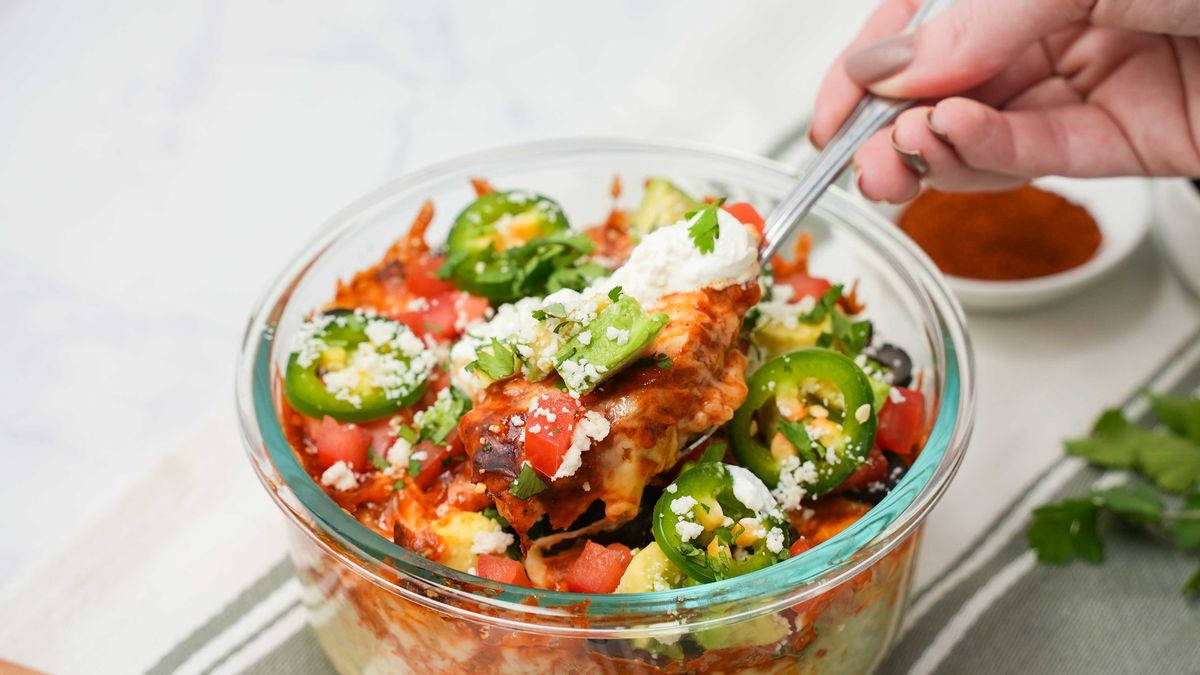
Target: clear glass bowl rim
447, 590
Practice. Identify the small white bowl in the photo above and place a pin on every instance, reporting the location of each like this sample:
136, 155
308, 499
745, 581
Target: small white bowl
1121, 207
1177, 211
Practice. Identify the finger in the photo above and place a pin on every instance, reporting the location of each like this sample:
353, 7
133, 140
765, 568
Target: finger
882, 174
940, 165
1070, 140
1027, 70
1049, 93
838, 93
1169, 17
964, 46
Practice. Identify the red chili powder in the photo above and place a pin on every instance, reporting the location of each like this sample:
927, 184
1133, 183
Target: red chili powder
1020, 234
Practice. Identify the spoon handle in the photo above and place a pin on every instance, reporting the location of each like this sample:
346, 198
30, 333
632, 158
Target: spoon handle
872, 114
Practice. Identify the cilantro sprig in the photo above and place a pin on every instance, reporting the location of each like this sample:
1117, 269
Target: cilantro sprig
705, 227
527, 484
496, 359
1163, 495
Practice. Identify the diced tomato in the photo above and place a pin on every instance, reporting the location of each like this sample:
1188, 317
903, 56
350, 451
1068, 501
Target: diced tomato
901, 423
799, 546
436, 461
504, 570
470, 307
548, 432
873, 470
746, 213
440, 318
621, 548
597, 569
341, 443
421, 276
804, 285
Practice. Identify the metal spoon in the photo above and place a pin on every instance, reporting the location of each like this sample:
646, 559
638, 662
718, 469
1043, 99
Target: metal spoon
872, 114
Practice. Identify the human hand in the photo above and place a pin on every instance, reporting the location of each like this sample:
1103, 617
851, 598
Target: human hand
1036, 87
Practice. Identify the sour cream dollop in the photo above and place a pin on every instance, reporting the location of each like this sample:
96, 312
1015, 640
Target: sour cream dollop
667, 261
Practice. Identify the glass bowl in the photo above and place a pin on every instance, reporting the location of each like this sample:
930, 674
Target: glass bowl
375, 606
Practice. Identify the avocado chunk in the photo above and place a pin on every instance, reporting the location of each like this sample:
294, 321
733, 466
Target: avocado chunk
761, 630
776, 339
664, 203
617, 336
650, 570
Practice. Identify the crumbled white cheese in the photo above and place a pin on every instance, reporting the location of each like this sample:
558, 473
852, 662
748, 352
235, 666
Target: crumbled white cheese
516, 421
672, 488
683, 505
896, 396
617, 335
585, 337
579, 374
749, 490
339, 476
590, 427
793, 476
775, 540
491, 542
688, 530
391, 359
398, 454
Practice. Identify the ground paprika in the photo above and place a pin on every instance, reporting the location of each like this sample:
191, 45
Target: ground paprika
1020, 234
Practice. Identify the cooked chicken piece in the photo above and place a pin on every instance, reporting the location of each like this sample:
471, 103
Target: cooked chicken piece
652, 411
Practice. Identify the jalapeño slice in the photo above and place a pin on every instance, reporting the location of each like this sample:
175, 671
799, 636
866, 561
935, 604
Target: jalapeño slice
507, 245
718, 521
809, 412
503, 220
355, 367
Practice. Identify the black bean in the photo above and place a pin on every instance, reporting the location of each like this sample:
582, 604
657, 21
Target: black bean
896, 360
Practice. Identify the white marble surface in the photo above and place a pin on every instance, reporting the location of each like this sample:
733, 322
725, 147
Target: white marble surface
159, 161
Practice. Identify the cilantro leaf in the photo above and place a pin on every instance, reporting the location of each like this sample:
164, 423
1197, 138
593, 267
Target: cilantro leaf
414, 467
526, 484
1065, 531
576, 277
1172, 461
662, 360
377, 461
497, 360
494, 514
795, 433
1137, 502
615, 293
1114, 442
398, 485
1181, 414
1185, 524
439, 420
705, 227
555, 310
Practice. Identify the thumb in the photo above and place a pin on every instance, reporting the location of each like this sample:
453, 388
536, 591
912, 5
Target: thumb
962, 47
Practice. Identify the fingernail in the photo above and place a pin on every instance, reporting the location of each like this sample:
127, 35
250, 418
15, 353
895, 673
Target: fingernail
933, 128
913, 159
885, 58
